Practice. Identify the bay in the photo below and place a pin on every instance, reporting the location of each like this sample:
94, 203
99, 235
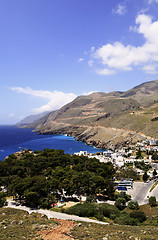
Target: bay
13, 139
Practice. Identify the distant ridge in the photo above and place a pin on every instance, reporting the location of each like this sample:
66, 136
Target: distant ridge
30, 119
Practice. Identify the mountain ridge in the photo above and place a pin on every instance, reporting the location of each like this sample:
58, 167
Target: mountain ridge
107, 120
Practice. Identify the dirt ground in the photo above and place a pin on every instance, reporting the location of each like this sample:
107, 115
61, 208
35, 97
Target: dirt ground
60, 232
70, 204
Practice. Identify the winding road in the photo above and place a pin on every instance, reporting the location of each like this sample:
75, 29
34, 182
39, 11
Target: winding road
52, 214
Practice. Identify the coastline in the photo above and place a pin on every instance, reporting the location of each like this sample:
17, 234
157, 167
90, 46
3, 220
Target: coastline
15, 139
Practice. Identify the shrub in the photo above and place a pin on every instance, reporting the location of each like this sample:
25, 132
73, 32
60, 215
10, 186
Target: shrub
123, 195
145, 177
154, 119
94, 210
152, 201
109, 211
2, 199
140, 216
154, 172
120, 203
83, 210
125, 219
133, 205
91, 198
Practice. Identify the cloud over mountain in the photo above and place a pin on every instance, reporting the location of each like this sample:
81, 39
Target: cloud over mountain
56, 99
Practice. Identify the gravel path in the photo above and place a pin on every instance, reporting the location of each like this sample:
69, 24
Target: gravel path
52, 214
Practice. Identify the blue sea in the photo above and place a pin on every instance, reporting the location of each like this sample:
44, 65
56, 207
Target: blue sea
13, 139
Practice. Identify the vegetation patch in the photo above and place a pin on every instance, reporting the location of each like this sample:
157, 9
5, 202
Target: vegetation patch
98, 211
104, 211
16, 224
148, 210
153, 186
38, 179
91, 231
154, 119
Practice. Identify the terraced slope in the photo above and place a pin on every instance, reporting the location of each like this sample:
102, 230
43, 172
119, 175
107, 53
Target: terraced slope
107, 119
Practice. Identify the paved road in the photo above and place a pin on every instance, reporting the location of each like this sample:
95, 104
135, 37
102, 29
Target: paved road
52, 214
140, 192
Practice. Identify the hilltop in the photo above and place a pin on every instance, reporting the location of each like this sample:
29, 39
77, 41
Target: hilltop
107, 120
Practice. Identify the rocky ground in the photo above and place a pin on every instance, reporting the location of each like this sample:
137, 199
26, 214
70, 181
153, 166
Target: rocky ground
18, 225
60, 232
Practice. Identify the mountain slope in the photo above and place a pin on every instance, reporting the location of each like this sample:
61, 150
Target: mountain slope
107, 119
145, 93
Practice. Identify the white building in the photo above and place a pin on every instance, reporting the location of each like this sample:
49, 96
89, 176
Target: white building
81, 153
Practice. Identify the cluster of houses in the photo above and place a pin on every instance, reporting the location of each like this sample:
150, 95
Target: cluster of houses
123, 157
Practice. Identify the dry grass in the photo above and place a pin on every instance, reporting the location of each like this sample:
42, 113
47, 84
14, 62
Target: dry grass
149, 211
114, 232
17, 224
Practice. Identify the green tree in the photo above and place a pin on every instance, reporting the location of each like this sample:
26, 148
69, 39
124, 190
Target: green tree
154, 172
33, 177
154, 156
32, 199
138, 215
123, 195
133, 205
2, 199
145, 177
125, 219
152, 201
138, 154
47, 202
120, 203
91, 199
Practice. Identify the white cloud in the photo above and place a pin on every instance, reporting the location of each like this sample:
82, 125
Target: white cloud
56, 99
104, 71
81, 59
90, 63
151, 69
115, 57
35, 93
11, 115
120, 10
92, 49
152, 1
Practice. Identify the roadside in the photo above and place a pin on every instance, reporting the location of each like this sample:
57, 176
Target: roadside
154, 191
52, 214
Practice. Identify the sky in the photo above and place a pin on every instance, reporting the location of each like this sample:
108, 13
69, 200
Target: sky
53, 51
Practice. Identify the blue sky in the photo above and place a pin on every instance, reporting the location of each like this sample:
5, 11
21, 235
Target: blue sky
52, 51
